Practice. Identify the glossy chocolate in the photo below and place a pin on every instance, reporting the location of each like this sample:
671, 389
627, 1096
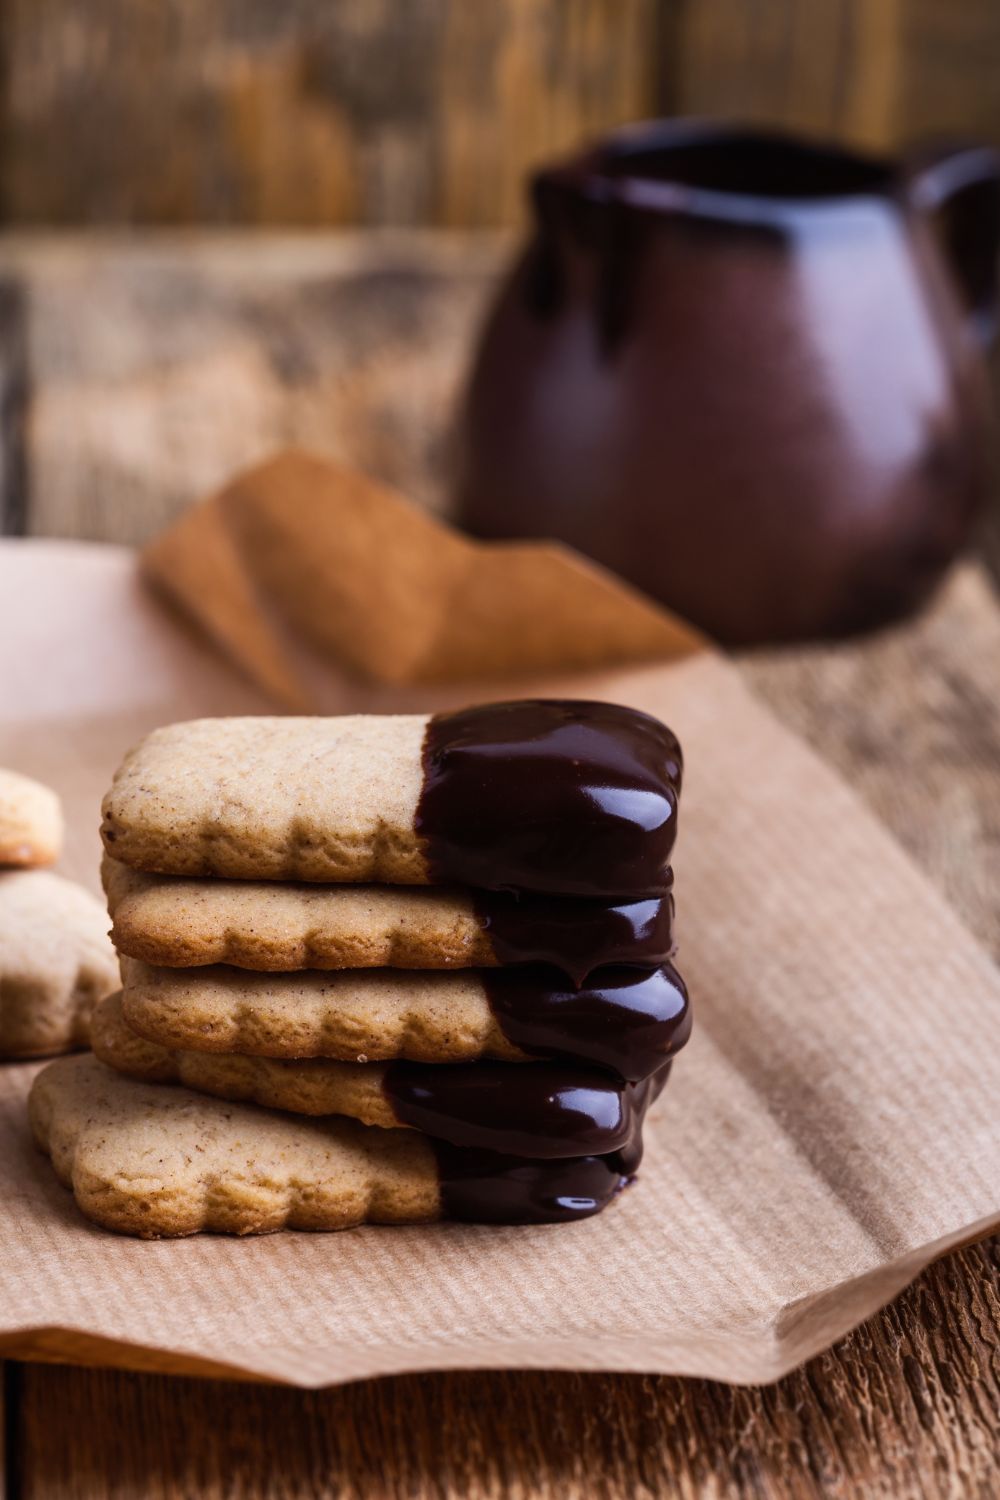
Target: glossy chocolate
481, 1187
488, 1187
537, 1110
577, 936
629, 1021
560, 797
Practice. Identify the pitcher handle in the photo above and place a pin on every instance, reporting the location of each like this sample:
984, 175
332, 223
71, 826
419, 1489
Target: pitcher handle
958, 187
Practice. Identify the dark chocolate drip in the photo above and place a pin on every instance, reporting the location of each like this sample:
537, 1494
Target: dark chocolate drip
481, 1187
486, 1187
629, 1021
577, 936
560, 797
520, 1109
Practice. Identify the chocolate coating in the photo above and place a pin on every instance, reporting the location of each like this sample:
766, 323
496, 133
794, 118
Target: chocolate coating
629, 1021
577, 936
481, 1187
537, 1110
561, 797
486, 1187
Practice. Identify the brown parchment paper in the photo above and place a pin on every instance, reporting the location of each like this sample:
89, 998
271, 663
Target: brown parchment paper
830, 1129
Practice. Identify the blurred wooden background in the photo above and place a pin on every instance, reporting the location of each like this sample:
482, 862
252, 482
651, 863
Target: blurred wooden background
137, 371
405, 112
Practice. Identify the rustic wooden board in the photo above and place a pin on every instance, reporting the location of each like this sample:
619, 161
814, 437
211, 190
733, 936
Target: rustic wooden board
877, 75
364, 112
127, 408
906, 1407
828, 67
180, 112
146, 373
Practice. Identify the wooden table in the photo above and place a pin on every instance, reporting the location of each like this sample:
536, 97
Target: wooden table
134, 375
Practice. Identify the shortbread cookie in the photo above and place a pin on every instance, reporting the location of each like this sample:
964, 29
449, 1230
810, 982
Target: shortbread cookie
55, 963
625, 1020
576, 799
31, 822
303, 1087
353, 1015
182, 922
530, 1109
157, 1160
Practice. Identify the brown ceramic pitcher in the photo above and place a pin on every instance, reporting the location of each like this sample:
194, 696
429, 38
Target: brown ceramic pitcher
746, 373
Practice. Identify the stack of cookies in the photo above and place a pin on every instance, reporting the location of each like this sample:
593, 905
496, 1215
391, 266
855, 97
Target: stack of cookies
424, 961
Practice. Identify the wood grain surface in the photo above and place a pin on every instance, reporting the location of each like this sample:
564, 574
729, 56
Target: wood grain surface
906, 1407
181, 112
144, 373
875, 75
909, 1405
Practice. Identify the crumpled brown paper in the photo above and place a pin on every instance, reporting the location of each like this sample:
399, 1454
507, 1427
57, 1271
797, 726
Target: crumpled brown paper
830, 1129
